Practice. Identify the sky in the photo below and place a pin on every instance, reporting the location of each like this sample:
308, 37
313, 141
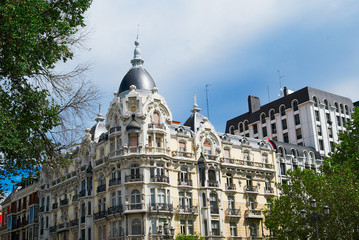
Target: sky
236, 47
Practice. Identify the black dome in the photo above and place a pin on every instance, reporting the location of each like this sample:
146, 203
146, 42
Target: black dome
139, 77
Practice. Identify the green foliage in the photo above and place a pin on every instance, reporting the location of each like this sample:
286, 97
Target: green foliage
337, 187
34, 36
187, 237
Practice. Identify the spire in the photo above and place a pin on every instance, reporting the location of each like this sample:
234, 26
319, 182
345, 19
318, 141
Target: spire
137, 60
99, 118
195, 106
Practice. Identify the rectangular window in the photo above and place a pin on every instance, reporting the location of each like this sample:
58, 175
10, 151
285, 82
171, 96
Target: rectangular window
296, 119
182, 146
317, 116
282, 168
215, 228
154, 228
274, 128
338, 121
183, 226
158, 142
299, 133
226, 153
330, 132
319, 130
321, 145
133, 140
264, 131
285, 138
233, 229
205, 228
190, 227
284, 124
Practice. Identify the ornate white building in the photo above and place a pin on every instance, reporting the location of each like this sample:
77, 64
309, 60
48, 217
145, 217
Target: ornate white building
140, 175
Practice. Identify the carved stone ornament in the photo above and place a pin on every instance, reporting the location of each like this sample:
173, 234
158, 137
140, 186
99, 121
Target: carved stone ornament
133, 88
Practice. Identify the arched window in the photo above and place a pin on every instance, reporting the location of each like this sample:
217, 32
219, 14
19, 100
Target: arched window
281, 151
246, 125
246, 156
315, 100
156, 118
336, 107
346, 110
295, 105
282, 110
136, 227
305, 157
263, 118
231, 129
207, 148
240, 127
326, 103
271, 114
312, 156
341, 108
135, 199
294, 153
212, 176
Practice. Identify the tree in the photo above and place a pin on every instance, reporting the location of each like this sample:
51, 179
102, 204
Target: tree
38, 106
187, 237
337, 187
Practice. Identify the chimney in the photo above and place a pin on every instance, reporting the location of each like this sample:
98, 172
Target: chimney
285, 91
254, 104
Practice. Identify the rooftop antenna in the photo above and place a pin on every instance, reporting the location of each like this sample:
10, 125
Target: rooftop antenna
99, 108
280, 84
138, 31
207, 85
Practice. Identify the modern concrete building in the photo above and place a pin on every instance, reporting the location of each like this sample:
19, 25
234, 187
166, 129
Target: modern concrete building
140, 175
307, 117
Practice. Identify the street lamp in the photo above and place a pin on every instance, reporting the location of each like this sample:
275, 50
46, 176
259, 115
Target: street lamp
168, 233
315, 217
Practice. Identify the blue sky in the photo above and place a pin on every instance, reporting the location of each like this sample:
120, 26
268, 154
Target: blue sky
235, 46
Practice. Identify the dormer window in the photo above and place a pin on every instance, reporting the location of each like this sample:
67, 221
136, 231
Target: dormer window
182, 146
156, 118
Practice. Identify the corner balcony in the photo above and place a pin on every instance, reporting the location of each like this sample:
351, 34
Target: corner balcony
64, 202
233, 212
134, 178
159, 178
160, 207
115, 210
253, 214
156, 127
101, 188
115, 129
100, 214
135, 208
185, 182
250, 189
187, 210
114, 182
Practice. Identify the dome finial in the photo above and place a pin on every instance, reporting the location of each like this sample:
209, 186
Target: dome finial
99, 118
195, 106
137, 60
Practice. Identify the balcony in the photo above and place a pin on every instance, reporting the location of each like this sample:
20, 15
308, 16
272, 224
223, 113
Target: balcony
269, 191
134, 178
62, 227
159, 178
160, 207
250, 189
115, 210
82, 219
230, 187
233, 212
101, 188
251, 213
82, 193
99, 162
185, 182
152, 126
53, 229
157, 150
134, 206
74, 223
212, 183
182, 154
114, 182
214, 210
210, 157
115, 129
64, 202
42, 209
55, 205
187, 210
100, 214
